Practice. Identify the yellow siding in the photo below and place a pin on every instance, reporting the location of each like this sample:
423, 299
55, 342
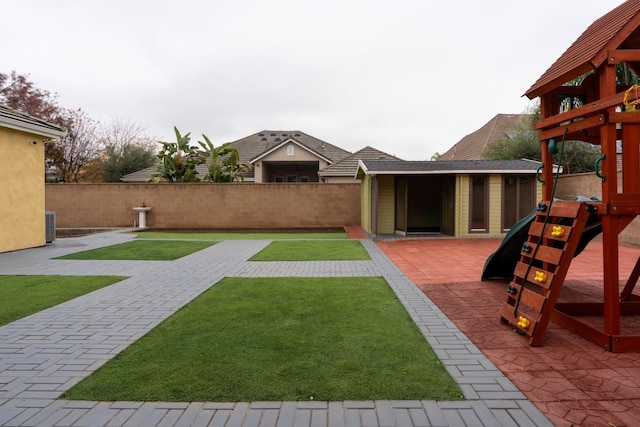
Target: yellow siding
386, 205
22, 223
463, 203
365, 204
494, 211
495, 205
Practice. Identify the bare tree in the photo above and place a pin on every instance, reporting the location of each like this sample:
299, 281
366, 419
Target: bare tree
126, 148
77, 150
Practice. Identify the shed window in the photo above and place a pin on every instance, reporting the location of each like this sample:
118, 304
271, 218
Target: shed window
518, 199
478, 204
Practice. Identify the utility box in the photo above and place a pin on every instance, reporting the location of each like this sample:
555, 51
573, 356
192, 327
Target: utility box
50, 226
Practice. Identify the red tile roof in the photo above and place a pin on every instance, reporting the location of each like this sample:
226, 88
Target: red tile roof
590, 50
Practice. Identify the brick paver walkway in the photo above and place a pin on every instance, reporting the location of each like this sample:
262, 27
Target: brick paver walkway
45, 354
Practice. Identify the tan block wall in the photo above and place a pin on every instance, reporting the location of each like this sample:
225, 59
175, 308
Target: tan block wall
589, 185
202, 205
22, 206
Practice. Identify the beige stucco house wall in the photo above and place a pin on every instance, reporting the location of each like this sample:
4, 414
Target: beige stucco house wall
289, 160
22, 187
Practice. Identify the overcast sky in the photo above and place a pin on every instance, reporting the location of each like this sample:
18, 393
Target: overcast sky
409, 77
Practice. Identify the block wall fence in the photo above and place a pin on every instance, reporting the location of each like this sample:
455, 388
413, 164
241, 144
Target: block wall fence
242, 206
589, 185
206, 206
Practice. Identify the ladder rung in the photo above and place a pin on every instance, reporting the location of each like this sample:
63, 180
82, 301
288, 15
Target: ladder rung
536, 230
529, 298
563, 209
521, 269
506, 313
544, 253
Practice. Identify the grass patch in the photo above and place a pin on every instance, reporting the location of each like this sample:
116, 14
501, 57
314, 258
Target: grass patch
239, 236
147, 250
21, 296
313, 250
273, 339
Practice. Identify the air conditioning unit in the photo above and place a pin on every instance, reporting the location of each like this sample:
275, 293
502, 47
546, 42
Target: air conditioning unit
50, 226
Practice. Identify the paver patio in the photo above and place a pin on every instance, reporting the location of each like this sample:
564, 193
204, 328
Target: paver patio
572, 381
43, 355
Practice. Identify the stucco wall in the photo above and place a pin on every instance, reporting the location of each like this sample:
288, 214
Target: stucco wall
212, 206
22, 223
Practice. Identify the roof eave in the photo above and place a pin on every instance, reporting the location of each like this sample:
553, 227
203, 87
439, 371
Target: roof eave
286, 141
34, 129
452, 172
536, 91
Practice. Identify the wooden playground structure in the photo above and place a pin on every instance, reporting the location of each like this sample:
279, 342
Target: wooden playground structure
604, 110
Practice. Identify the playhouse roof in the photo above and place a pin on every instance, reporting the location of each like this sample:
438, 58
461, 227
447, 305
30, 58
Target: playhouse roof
612, 31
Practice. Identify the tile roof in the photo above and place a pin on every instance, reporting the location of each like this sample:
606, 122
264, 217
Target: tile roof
471, 146
590, 50
253, 146
18, 120
375, 167
349, 165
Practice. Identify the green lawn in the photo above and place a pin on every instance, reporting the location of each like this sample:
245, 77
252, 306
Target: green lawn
21, 296
147, 250
239, 236
274, 339
312, 250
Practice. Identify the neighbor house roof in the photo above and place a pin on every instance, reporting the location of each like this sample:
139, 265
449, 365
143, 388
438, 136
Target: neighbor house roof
471, 146
349, 165
254, 147
18, 120
377, 167
590, 50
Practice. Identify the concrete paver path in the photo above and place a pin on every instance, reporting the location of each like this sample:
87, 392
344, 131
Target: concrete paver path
45, 354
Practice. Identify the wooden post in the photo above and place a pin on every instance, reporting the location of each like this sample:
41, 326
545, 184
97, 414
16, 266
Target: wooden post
607, 85
546, 109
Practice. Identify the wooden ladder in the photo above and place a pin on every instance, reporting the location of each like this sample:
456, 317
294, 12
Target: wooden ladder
534, 290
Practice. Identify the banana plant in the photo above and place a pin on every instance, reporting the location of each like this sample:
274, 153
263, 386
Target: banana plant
223, 163
178, 160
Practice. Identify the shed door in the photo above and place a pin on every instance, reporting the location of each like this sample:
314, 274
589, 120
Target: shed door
448, 205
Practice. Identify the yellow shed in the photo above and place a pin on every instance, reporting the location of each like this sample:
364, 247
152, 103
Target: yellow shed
22, 178
461, 198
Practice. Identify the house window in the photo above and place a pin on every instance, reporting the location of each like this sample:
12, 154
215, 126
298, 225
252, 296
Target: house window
292, 178
303, 179
518, 199
290, 150
478, 204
